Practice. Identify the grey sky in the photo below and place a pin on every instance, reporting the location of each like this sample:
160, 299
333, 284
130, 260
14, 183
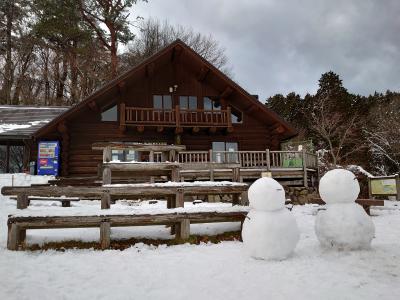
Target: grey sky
282, 46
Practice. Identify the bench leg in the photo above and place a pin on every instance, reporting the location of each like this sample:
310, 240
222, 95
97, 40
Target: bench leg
22, 201
105, 200
16, 237
179, 199
105, 235
183, 229
66, 203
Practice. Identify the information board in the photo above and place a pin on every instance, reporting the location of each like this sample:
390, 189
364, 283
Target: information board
48, 158
385, 186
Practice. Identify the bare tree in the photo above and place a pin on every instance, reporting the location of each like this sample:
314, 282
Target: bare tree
155, 35
340, 131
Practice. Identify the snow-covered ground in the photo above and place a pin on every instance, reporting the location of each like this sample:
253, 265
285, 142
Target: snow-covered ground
206, 271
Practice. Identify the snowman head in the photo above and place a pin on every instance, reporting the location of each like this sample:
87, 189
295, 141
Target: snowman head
339, 186
266, 194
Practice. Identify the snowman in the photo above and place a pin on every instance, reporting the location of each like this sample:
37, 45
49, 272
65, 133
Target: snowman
344, 225
269, 230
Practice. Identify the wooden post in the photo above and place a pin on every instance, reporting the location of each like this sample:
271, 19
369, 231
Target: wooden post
210, 154
105, 235
175, 175
16, 237
268, 160
122, 118
151, 156
369, 189
106, 175
105, 200
398, 186
304, 168
177, 116
182, 229
179, 199
236, 174
229, 117
22, 201
107, 154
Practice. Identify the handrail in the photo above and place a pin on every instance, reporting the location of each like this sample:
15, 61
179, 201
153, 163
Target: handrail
252, 159
177, 117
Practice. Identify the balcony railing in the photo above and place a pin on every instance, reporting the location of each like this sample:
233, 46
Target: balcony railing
176, 117
253, 159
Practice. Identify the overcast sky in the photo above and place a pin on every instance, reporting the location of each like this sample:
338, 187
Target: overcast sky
279, 46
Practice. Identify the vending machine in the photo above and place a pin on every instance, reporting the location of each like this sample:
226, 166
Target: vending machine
48, 158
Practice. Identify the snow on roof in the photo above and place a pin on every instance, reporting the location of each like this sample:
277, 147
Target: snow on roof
22, 121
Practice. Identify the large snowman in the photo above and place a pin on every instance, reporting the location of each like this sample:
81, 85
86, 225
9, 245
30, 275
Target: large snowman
344, 224
269, 231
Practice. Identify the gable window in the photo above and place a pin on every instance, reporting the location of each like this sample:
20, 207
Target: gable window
211, 104
225, 152
162, 101
110, 114
188, 102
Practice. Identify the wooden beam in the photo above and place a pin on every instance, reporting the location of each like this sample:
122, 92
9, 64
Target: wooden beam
160, 128
105, 200
195, 129
226, 93
105, 235
140, 128
212, 130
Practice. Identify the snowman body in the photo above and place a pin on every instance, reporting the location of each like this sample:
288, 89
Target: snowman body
344, 224
269, 230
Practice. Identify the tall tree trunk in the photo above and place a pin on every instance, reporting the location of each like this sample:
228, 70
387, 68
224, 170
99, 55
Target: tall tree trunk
113, 50
74, 73
61, 81
8, 68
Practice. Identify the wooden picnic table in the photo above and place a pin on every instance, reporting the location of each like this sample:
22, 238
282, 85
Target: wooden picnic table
17, 224
174, 192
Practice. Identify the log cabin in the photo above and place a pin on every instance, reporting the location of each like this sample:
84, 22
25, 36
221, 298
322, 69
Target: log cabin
173, 97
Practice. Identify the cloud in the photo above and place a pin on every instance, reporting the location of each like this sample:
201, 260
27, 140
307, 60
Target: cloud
277, 46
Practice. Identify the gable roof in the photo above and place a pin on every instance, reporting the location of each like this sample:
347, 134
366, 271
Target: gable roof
288, 130
21, 122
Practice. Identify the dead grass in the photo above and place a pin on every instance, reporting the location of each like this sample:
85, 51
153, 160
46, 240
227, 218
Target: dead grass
126, 243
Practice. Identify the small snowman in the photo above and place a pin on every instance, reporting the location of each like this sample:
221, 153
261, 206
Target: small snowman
269, 230
344, 225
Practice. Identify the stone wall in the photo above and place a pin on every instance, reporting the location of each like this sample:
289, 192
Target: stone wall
301, 195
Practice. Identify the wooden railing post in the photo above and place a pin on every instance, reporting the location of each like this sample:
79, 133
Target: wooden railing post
304, 168
210, 154
228, 116
268, 160
122, 117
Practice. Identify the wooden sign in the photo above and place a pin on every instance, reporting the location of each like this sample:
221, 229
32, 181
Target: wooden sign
384, 186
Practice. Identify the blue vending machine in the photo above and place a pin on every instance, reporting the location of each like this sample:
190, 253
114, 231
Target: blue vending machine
48, 158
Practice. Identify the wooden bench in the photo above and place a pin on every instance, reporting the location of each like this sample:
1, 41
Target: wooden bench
23, 202
365, 203
17, 225
173, 192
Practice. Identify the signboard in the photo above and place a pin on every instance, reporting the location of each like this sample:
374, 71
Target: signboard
385, 186
48, 158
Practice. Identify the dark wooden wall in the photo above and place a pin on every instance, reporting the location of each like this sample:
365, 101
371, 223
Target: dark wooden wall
85, 127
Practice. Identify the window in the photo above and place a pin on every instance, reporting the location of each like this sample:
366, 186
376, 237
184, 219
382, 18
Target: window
162, 102
211, 104
188, 102
110, 114
124, 155
221, 152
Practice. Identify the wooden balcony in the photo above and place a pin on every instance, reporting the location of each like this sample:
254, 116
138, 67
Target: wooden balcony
177, 117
